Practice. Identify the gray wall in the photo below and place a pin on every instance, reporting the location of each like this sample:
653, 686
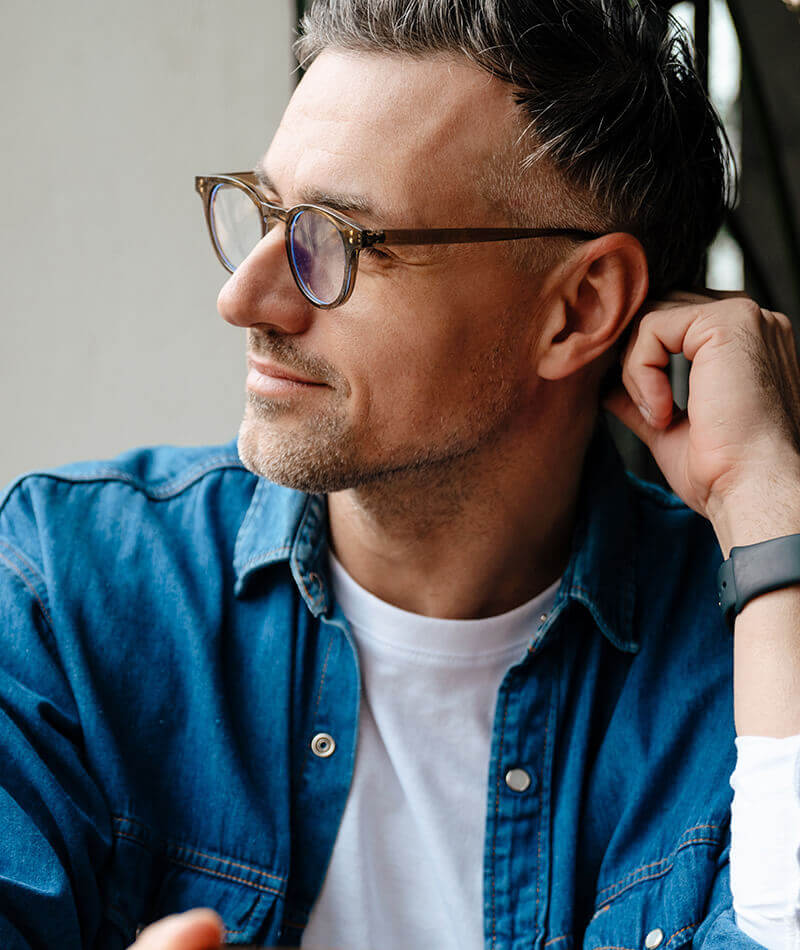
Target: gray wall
110, 336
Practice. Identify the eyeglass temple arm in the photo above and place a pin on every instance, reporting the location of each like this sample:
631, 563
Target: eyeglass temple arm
469, 235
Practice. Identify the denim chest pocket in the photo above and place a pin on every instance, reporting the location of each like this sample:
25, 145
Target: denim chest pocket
658, 905
146, 882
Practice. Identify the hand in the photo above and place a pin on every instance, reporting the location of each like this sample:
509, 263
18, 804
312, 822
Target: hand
200, 929
734, 454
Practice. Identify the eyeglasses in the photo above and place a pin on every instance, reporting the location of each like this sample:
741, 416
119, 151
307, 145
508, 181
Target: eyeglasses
322, 246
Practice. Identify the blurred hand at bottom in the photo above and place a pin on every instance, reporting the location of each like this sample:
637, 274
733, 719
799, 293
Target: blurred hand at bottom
199, 929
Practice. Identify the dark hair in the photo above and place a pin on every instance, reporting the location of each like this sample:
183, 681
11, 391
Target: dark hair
607, 89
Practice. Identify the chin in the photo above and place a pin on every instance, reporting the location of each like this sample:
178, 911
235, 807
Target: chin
314, 464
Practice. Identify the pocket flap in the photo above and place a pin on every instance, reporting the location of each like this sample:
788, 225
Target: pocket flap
247, 908
660, 905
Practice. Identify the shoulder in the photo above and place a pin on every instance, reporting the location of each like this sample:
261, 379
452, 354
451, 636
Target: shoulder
157, 471
99, 498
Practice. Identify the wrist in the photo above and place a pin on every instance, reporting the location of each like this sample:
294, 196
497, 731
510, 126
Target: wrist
757, 508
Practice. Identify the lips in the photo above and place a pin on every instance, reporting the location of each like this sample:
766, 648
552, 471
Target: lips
275, 371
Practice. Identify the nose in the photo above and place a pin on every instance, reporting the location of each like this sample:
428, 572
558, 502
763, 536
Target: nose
261, 291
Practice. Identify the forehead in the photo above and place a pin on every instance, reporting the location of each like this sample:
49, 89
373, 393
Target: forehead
411, 135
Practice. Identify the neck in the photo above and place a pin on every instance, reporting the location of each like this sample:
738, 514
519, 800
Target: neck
474, 536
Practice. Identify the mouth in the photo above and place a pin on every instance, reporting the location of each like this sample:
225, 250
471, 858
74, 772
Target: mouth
270, 379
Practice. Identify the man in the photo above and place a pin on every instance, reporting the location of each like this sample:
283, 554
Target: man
430, 546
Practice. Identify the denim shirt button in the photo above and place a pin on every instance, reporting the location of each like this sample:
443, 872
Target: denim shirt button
654, 938
322, 745
518, 780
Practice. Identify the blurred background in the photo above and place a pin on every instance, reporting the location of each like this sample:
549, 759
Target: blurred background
110, 335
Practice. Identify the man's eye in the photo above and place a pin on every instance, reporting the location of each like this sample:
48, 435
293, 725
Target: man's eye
375, 254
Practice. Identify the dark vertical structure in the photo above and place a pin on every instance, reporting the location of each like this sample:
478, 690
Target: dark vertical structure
768, 217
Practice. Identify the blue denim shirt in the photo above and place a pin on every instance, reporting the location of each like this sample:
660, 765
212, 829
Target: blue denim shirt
170, 648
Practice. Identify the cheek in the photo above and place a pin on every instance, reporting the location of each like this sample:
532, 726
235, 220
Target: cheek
420, 362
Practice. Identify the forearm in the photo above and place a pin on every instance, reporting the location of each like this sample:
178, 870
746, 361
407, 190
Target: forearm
766, 670
766, 640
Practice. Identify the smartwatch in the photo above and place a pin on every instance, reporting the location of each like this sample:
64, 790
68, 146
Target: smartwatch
755, 569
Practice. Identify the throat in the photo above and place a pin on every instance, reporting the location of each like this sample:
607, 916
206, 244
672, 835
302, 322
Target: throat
453, 547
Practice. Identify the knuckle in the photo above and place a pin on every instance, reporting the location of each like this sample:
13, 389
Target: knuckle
751, 314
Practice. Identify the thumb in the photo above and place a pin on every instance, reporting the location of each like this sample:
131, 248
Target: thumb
619, 403
200, 929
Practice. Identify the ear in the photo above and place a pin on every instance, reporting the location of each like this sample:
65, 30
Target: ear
600, 290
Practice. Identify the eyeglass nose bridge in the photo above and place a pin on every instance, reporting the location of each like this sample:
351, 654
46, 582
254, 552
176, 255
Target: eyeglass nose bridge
269, 210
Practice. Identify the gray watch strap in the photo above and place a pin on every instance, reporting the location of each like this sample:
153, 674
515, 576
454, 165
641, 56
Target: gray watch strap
755, 569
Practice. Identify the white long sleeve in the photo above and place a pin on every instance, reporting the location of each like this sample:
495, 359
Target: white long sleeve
765, 840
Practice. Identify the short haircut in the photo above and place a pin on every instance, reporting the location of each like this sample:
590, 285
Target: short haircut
609, 96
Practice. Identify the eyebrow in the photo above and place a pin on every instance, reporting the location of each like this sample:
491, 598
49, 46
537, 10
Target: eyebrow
335, 200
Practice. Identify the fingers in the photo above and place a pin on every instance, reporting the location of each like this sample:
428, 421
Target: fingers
644, 376
200, 929
682, 324
645, 364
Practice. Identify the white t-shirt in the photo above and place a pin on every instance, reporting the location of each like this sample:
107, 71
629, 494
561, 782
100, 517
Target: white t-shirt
765, 837
407, 865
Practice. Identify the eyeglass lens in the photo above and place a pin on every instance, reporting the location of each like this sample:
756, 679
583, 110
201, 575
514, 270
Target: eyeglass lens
318, 255
236, 223
316, 246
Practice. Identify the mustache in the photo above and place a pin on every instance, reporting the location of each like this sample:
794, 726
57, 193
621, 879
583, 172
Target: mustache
282, 349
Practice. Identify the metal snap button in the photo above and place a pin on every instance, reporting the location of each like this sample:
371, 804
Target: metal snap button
654, 938
323, 745
518, 780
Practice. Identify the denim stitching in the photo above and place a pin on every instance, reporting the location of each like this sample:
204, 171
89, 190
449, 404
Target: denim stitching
496, 814
541, 823
233, 864
309, 512
314, 600
230, 877
173, 859
17, 573
215, 463
23, 559
655, 874
307, 758
177, 846
666, 945
553, 940
246, 919
669, 858
254, 507
677, 932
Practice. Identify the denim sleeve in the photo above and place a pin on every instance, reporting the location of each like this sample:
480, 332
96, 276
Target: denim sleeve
54, 824
719, 931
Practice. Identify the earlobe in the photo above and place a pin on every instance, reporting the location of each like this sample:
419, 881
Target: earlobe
598, 297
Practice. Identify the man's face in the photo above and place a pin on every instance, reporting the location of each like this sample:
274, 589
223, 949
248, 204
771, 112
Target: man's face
430, 358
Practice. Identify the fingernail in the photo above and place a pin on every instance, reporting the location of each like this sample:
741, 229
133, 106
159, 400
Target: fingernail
645, 411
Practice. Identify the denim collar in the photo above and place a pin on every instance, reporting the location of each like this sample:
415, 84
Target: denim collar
601, 572
283, 525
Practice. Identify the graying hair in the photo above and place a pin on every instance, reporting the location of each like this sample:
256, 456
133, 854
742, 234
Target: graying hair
608, 94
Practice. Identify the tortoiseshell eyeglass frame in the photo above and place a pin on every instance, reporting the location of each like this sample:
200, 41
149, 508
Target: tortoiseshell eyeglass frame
354, 237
